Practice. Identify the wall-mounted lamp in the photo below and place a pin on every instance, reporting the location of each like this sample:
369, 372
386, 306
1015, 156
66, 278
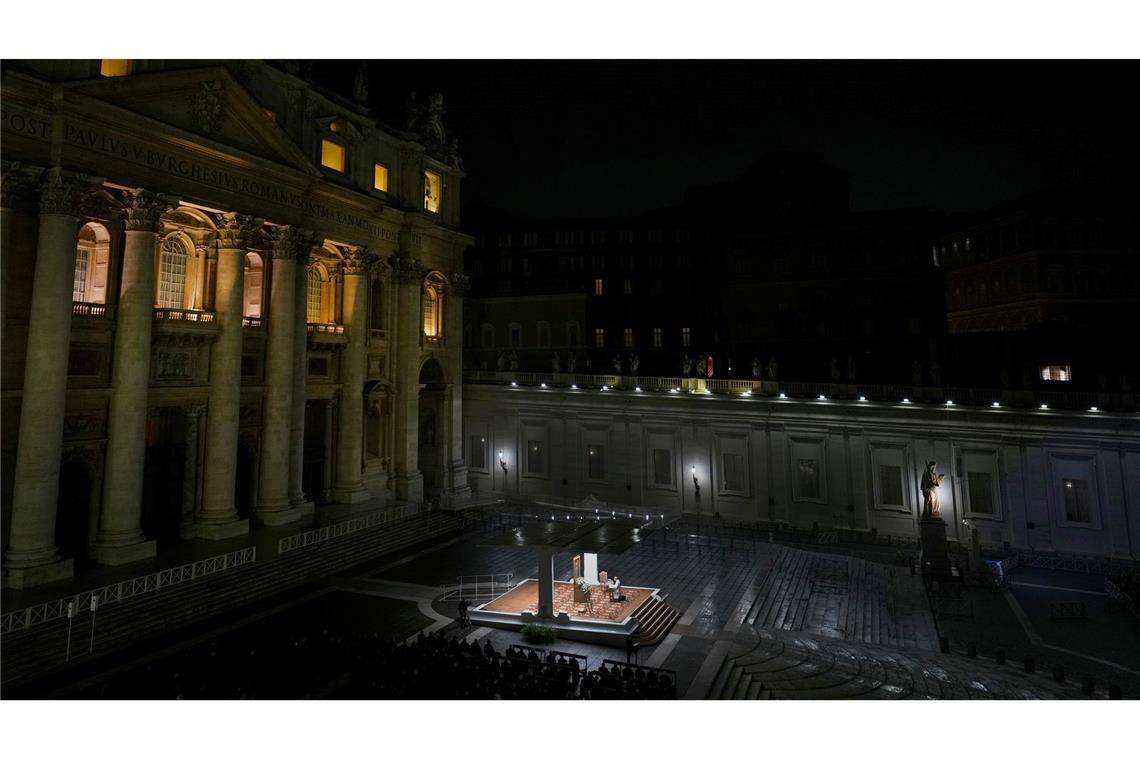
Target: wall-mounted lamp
696, 482
503, 463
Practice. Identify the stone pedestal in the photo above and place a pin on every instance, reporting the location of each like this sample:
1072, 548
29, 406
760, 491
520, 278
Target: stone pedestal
935, 556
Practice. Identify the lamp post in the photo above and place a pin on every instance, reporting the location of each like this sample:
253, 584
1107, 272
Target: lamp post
70, 617
94, 607
697, 493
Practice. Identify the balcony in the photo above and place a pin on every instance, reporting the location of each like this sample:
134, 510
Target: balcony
433, 340
185, 323
321, 332
89, 310
251, 323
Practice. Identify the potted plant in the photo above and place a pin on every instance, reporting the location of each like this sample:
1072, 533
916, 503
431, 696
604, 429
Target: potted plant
537, 633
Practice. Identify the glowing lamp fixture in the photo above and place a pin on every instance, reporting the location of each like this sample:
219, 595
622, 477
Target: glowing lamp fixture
906, 400
696, 482
605, 387
822, 397
503, 463
949, 402
573, 386
514, 384
638, 389
995, 404
862, 398
543, 384
1044, 406
708, 392
1093, 409
783, 395
746, 393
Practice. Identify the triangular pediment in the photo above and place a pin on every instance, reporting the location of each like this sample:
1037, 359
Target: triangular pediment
209, 102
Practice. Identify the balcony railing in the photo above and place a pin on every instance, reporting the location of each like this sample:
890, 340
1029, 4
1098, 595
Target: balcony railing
321, 328
254, 323
433, 340
903, 395
84, 309
184, 315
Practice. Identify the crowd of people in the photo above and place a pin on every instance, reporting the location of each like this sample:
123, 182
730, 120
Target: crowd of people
432, 666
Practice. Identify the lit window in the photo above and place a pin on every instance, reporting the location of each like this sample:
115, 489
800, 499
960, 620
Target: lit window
599, 286
172, 274
433, 305
79, 285
380, 177
684, 336
253, 280
332, 155
1057, 372
599, 337
627, 286
313, 300
334, 127
628, 336
115, 67
433, 191
657, 337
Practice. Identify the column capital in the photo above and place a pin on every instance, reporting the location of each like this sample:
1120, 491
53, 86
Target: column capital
17, 184
63, 192
355, 261
406, 270
143, 209
235, 230
296, 243
460, 284
195, 410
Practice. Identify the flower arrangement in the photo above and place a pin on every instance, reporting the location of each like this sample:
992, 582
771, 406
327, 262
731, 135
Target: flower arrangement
536, 633
583, 585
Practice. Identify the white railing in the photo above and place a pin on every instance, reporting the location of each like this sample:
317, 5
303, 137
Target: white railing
478, 586
85, 309
118, 592
346, 527
252, 322
325, 328
184, 315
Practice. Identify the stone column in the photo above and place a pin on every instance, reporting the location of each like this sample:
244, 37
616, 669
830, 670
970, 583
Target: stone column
32, 557
190, 468
456, 469
326, 476
273, 506
120, 538
219, 518
297, 498
407, 276
17, 186
348, 487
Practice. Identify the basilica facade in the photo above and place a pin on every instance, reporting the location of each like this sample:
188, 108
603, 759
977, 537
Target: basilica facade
229, 297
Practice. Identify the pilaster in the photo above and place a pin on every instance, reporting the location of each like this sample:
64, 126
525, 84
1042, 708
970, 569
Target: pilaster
348, 487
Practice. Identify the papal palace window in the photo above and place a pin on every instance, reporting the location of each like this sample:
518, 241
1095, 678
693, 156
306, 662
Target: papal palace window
1077, 500
657, 337
685, 336
596, 462
332, 156
433, 191
380, 178
599, 337
433, 305
628, 337
1057, 373
599, 286
172, 273
115, 67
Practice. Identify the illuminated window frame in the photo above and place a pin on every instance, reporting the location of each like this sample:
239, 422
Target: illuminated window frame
433, 191
334, 156
115, 67
379, 177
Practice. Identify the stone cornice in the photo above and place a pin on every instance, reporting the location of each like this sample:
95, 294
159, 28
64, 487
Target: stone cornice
235, 230
143, 209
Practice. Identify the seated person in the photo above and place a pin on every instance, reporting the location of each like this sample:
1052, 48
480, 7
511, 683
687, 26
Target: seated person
615, 591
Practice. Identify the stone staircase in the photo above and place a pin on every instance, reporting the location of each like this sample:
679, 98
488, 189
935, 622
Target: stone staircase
655, 617
30, 652
785, 665
843, 598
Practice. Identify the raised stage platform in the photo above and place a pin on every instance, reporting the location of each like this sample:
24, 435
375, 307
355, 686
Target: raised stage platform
601, 622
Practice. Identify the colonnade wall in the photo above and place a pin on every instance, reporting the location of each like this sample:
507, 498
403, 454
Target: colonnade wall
1042, 481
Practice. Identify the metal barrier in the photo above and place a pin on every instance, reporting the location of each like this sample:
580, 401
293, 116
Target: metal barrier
118, 592
336, 530
1116, 594
1067, 611
478, 586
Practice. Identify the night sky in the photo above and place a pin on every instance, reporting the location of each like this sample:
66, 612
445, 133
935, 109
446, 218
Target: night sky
607, 138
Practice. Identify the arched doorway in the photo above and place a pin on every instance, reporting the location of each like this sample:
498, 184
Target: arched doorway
73, 508
432, 451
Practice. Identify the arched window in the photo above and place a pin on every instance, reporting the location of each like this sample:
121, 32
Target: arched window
313, 309
433, 305
92, 259
254, 272
172, 273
